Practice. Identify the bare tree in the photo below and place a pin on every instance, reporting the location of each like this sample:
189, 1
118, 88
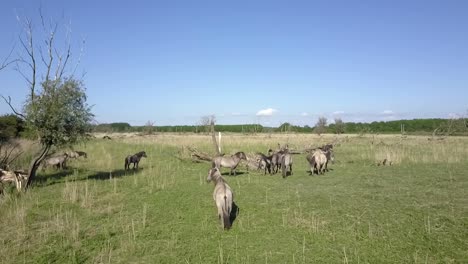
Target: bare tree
339, 126
8, 60
149, 127
43, 57
205, 123
321, 125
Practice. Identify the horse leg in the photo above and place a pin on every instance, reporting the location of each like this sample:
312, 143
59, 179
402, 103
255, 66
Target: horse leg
220, 214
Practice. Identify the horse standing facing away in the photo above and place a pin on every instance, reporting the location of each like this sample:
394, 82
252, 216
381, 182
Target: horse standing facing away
229, 162
286, 164
264, 162
222, 195
319, 160
275, 160
135, 159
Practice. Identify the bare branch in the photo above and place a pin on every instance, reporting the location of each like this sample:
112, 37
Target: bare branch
65, 62
50, 49
83, 42
7, 61
28, 46
8, 101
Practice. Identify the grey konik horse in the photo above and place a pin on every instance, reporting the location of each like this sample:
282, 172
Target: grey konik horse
58, 161
319, 159
229, 161
76, 154
286, 164
135, 159
223, 197
275, 160
264, 162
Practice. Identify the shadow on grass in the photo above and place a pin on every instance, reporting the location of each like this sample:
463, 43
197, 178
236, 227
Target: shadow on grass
53, 178
106, 175
237, 173
59, 176
234, 212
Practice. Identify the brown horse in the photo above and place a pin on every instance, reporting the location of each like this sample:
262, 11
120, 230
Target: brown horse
135, 159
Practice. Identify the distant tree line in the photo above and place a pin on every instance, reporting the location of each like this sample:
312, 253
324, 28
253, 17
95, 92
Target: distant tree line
12, 126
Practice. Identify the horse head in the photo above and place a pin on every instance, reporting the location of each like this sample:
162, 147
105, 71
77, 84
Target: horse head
213, 174
241, 155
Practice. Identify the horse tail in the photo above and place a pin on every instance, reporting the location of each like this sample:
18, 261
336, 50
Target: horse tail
126, 162
226, 220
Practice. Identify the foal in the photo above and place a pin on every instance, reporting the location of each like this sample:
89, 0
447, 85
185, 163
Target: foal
222, 195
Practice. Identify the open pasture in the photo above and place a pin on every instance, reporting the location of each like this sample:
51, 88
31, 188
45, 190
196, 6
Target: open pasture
415, 211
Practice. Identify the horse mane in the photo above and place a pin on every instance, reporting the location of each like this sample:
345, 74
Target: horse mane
217, 176
263, 155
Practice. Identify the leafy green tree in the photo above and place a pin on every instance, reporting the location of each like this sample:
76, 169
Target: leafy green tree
60, 116
56, 111
10, 126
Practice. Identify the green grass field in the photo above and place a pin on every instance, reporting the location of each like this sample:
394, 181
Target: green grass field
415, 211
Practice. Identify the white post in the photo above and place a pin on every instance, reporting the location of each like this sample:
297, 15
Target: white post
219, 141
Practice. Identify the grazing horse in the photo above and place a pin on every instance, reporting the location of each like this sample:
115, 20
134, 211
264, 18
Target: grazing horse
222, 195
58, 161
76, 154
286, 164
135, 159
229, 162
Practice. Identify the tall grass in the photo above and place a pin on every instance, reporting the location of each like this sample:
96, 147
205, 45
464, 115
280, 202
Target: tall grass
95, 212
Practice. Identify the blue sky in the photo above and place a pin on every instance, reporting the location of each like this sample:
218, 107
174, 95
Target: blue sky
172, 62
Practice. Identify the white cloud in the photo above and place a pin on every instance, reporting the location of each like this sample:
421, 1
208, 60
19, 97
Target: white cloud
388, 112
304, 114
453, 116
338, 112
266, 112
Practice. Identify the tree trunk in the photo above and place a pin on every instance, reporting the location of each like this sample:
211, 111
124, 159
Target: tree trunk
213, 136
35, 165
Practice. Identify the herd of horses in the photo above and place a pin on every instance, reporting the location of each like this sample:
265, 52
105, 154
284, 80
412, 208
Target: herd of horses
273, 161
